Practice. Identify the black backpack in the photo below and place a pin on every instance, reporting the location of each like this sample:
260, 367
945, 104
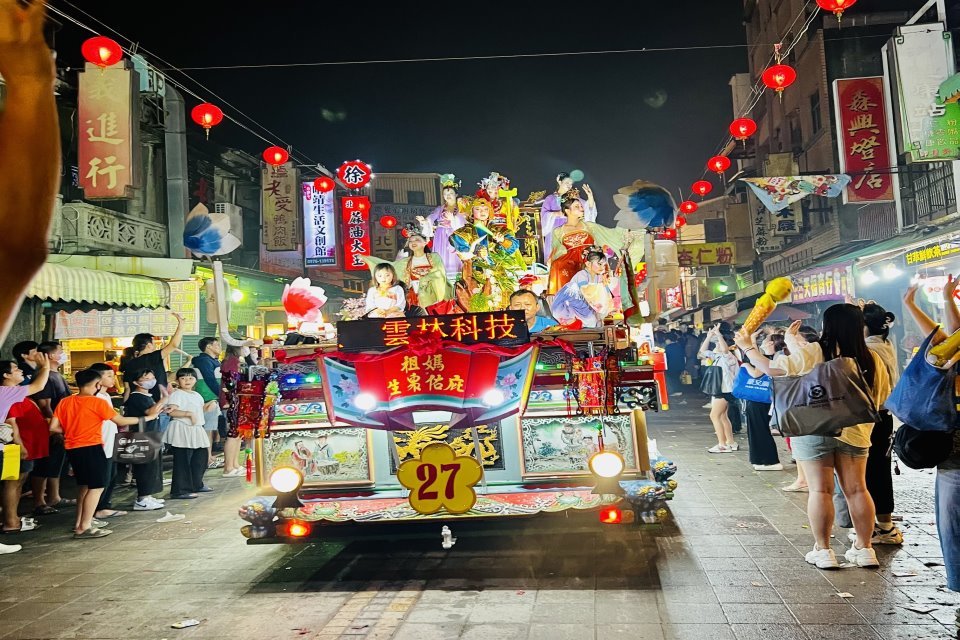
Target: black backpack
922, 449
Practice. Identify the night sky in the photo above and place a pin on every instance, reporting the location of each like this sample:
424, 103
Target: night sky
617, 117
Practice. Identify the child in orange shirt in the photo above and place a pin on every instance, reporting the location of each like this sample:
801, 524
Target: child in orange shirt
80, 417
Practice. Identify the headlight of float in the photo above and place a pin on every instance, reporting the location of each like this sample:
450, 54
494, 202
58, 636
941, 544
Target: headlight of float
286, 479
606, 464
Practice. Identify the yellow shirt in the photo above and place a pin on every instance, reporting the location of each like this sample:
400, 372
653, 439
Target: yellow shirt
803, 360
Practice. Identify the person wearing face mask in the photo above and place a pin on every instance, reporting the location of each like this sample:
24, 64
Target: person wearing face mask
80, 418
45, 477
144, 354
139, 404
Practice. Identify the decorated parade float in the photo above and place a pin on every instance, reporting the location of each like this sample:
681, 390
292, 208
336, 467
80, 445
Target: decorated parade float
499, 368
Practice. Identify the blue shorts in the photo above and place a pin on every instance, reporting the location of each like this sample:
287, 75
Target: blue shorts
807, 448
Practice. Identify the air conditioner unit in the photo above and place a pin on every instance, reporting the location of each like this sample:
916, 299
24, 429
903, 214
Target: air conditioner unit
235, 214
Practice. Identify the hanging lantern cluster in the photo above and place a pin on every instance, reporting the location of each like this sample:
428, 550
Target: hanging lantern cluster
207, 115
275, 156
101, 51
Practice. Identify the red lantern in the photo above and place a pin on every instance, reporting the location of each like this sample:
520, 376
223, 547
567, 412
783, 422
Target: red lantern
101, 51
681, 221
689, 206
702, 187
388, 222
405, 233
743, 128
324, 184
718, 164
779, 77
276, 156
207, 115
836, 6
667, 234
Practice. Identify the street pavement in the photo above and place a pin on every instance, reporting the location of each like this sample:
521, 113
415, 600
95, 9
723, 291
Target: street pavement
729, 566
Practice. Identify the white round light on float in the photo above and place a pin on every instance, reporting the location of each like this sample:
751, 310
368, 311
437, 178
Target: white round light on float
606, 464
286, 479
493, 397
365, 401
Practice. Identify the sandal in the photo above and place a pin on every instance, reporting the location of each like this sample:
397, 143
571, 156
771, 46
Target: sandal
795, 488
45, 510
66, 502
114, 513
92, 532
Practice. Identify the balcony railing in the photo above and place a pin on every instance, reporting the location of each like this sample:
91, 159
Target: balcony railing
81, 227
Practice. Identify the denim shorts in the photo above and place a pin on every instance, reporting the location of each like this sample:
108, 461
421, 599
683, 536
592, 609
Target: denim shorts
807, 448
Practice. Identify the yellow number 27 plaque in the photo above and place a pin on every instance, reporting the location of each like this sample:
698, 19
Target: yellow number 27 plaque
440, 479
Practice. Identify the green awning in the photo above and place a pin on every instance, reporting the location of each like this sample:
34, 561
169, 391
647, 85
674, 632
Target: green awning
57, 283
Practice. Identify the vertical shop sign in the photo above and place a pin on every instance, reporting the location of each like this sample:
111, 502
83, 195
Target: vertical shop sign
356, 231
861, 117
319, 227
928, 116
108, 153
764, 240
280, 223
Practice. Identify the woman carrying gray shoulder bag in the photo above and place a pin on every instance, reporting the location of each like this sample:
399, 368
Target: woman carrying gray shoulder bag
827, 393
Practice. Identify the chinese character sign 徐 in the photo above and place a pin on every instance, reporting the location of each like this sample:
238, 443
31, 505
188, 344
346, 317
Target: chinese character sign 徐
281, 228
319, 227
863, 139
707, 255
108, 149
356, 231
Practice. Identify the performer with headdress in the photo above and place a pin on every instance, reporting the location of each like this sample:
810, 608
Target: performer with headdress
551, 215
490, 257
576, 235
444, 220
588, 297
421, 270
495, 188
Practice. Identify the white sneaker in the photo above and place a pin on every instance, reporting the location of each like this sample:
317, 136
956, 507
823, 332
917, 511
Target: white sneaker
719, 448
707, 406
861, 557
147, 504
822, 558
677, 394
893, 536
10, 548
768, 467
236, 473
734, 447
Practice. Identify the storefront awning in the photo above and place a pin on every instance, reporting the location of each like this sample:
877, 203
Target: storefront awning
57, 283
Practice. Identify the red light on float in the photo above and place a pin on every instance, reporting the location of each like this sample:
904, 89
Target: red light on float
324, 184
275, 156
101, 51
611, 515
297, 529
388, 222
779, 77
207, 115
743, 128
718, 164
702, 187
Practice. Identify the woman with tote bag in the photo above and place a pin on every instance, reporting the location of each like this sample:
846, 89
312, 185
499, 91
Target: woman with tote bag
846, 455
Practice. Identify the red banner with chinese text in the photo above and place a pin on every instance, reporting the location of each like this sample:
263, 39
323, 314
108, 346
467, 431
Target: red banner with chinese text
108, 146
457, 375
863, 137
506, 328
356, 231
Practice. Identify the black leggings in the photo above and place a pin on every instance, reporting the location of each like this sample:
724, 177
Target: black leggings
879, 472
763, 449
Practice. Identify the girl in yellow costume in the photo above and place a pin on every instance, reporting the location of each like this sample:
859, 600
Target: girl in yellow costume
423, 273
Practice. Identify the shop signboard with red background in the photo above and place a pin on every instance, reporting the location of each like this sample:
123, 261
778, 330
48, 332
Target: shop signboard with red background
356, 231
108, 154
861, 116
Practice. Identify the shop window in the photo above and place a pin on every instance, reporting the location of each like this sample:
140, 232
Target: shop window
383, 195
815, 117
416, 197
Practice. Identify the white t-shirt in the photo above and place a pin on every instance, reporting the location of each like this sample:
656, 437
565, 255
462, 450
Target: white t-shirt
187, 433
108, 430
805, 358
